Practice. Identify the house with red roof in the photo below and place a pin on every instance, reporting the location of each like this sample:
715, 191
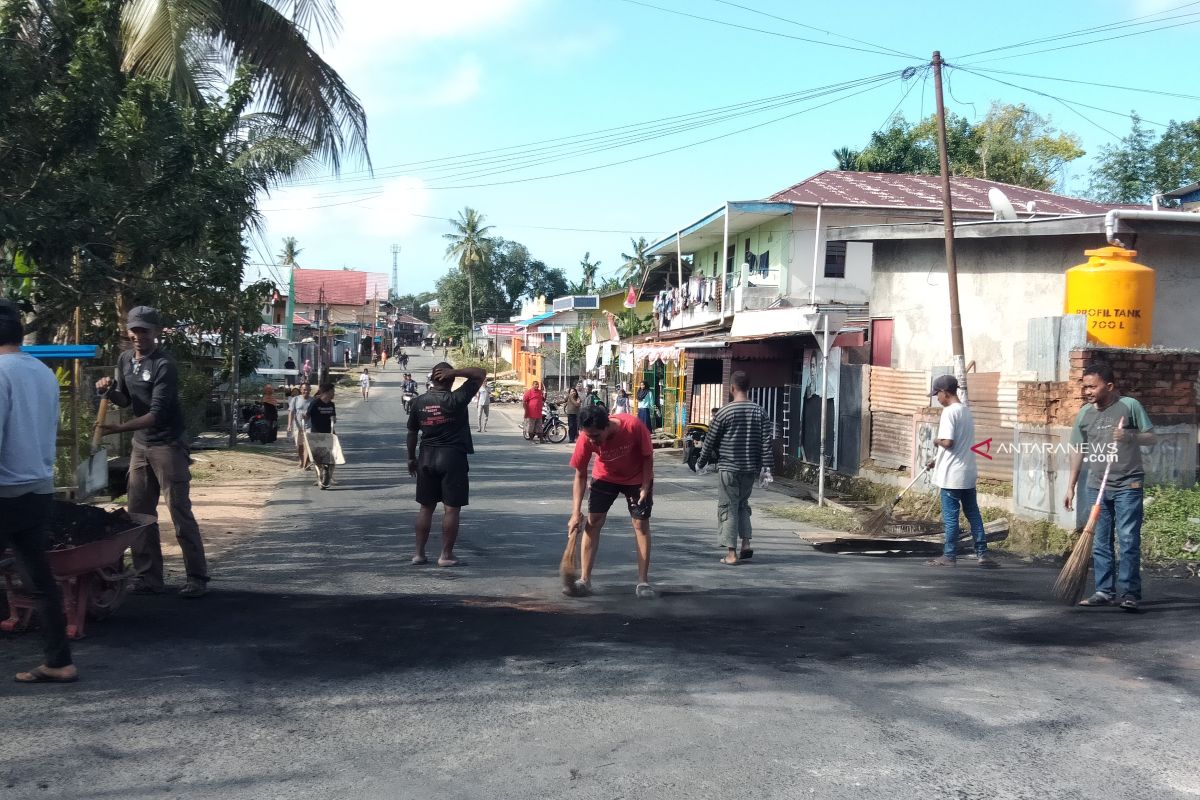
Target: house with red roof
347, 294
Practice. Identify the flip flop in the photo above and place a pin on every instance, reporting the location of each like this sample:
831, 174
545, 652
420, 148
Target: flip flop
451, 562
727, 562
419, 560
39, 675
746, 554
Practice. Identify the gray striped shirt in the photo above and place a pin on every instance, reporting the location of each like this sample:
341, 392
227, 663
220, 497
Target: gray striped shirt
740, 438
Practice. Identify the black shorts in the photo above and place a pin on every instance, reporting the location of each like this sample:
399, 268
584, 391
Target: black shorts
442, 477
603, 494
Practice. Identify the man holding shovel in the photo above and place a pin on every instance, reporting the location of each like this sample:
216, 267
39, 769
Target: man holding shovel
148, 381
28, 424
955, 474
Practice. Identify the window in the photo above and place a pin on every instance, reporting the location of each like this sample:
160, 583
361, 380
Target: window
729, 258
716, 255
835, 259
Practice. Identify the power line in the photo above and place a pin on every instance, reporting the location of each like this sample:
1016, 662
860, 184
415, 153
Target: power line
1069, 104
819, 30
661, 152
1117, 25
1092, 83
764, 31
1105, 40
631, 130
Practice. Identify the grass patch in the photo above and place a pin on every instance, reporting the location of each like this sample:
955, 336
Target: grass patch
822, 517
1166, 528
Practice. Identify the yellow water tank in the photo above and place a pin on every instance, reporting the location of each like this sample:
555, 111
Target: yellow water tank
1116, 294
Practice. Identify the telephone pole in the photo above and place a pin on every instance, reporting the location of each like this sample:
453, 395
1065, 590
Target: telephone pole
956, 332
395, 270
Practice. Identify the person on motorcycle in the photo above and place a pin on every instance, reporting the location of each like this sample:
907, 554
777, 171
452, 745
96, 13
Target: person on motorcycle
408, 391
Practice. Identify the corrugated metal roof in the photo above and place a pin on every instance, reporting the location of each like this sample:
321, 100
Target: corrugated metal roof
535, 320
343, 287
879, 189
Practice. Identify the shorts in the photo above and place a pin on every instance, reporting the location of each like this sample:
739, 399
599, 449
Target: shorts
533, 427
603, 494
442, 477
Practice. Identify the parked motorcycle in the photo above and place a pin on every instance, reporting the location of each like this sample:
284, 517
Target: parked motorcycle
553, 428
693, 443
260, 422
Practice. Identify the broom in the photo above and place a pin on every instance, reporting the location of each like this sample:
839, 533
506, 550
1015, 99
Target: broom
568, 568
877, 520
1068, 588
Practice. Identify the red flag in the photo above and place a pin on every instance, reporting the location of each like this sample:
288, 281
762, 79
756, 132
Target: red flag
631, 298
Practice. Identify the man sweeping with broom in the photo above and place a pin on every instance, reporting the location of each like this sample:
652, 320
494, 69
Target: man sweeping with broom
1110, 431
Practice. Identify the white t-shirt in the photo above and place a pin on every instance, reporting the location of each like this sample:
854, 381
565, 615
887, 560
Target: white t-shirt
299, 407
364, 380
955, 468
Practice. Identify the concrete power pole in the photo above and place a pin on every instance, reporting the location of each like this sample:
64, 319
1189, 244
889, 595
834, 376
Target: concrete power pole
395, 270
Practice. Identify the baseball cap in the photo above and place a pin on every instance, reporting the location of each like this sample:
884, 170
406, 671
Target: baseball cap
143, 317
944, 383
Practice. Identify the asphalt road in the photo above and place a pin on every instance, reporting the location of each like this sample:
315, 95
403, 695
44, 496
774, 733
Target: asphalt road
323, 665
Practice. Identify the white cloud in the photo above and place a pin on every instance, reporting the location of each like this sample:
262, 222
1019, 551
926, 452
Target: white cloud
329, 212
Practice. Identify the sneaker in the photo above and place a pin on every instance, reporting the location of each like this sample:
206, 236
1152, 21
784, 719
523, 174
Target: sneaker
1129, 603
578, 589
1098, 599
194, 588
644, 591
987, 562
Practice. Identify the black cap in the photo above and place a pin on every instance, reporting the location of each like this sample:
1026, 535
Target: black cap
944, 383
143, 317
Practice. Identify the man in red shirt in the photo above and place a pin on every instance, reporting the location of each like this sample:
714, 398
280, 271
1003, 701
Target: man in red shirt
534, 401
624, 466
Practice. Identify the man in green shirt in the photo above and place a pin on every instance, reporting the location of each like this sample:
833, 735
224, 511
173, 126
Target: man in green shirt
1110, 431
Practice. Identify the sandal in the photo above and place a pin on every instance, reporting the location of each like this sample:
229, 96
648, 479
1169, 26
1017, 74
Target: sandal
39, 675
645, 591
419, 560
941, 561
727, 562
1096, 600
747, 554
578, 589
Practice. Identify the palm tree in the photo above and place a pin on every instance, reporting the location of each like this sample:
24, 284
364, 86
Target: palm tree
287, 256
588, 284
636, 264
471, 246
847, 159
195, 44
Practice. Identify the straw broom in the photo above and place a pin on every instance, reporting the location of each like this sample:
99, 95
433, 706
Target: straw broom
878, 520
568, 568
1069, 586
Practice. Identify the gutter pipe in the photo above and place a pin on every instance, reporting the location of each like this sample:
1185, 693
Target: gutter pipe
1110, 220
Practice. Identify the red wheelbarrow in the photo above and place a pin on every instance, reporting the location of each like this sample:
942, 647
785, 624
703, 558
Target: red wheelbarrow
90, 577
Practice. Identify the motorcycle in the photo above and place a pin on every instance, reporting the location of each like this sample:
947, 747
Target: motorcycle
553, 428
260, 422
407, 399
693, 442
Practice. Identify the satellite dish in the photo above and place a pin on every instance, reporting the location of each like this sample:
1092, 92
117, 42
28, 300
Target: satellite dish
1002, 208
1031, 206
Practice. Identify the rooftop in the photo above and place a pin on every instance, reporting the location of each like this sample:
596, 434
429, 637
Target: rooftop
342, 287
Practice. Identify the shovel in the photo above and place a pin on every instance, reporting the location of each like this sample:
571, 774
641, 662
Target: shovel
92, 473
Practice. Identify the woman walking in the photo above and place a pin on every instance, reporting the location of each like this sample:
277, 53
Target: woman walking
645, 405
621, 405
571, 409
364, 383
298, 420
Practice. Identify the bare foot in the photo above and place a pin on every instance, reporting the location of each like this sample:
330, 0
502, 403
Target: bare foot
418, 560
448, 561
45, 674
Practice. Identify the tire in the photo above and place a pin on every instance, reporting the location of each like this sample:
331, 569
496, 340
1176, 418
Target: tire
557, 432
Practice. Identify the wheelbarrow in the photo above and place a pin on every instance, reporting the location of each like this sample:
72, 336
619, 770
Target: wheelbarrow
89, 576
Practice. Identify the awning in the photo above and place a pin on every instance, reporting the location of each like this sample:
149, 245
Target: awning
653, 352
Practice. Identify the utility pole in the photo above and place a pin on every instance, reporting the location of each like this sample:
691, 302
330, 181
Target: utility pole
235, 380
956, 332
320, 330
395, 270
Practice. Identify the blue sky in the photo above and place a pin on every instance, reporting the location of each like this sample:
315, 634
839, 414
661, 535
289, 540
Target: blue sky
440, 80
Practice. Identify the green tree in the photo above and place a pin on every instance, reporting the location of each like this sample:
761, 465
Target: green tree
469, 245
1012, 144
587, 284
1177, 156
1124, 173
637, 263
289, 252
846, 158
191, 44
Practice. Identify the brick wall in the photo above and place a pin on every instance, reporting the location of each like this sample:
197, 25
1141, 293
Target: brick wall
1167, 383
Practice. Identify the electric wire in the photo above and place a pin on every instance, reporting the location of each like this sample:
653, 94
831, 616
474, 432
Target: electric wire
1116, 25
1105, 40
819, 30
764, 31
622, 132
662, 152
1139, 90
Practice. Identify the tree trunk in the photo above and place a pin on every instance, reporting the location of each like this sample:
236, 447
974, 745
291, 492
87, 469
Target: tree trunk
471, 296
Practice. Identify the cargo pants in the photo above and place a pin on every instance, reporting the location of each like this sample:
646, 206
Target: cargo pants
162, 469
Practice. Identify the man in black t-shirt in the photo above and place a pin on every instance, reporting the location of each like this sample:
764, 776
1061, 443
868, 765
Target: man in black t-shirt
147, 381
322, 413
440, 421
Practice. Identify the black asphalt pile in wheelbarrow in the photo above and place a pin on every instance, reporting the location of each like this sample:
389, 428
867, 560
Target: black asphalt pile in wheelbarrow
72, 525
